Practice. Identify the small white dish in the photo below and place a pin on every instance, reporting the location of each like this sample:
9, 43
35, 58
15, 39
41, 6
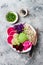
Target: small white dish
23, 12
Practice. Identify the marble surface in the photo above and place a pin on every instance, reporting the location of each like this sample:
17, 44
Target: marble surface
7, 55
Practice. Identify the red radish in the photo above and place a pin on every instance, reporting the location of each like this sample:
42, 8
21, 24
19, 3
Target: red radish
12, 32
9, 39
10, 29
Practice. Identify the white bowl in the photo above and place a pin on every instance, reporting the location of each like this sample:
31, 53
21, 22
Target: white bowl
24, 51
21, 14
16, 18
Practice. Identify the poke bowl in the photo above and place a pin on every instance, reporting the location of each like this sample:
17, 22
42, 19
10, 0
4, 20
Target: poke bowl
21, 37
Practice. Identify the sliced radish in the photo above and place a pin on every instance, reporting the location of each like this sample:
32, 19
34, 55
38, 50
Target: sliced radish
10, 29
12, 32
9, 39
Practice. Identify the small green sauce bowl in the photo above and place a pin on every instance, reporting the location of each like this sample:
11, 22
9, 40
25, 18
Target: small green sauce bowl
11, 17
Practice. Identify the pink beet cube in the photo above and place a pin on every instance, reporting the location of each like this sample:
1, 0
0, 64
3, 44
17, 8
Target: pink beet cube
27, 44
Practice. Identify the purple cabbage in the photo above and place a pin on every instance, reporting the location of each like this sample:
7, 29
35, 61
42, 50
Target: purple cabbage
19, 28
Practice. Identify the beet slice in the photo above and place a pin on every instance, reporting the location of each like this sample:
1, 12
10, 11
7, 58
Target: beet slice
10, 29
12, 32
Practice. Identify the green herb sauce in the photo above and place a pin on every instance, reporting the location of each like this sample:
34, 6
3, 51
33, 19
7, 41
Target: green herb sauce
11, 17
